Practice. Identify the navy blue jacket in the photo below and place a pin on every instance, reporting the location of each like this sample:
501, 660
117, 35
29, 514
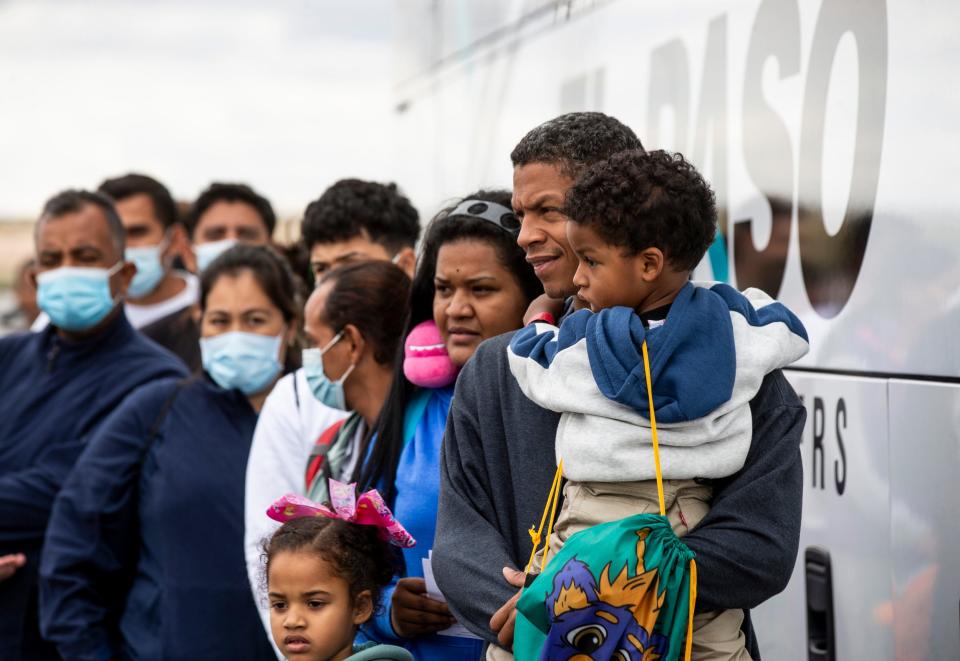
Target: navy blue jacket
144, 552
53, 395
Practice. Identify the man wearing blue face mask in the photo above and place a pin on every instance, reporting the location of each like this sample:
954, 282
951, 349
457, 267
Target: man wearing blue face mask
224, 215
57, 386
161, 300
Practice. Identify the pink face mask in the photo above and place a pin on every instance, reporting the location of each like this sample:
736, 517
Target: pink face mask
425, 362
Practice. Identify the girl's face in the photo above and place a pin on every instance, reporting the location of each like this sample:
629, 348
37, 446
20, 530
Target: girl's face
312, 617
476, 297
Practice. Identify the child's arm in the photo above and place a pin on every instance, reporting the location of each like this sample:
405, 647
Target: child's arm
544, 305
552, 368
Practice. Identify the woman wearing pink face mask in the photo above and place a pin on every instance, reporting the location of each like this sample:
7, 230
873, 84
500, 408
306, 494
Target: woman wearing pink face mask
473, 283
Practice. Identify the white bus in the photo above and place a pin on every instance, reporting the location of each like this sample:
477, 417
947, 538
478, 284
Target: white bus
829, 131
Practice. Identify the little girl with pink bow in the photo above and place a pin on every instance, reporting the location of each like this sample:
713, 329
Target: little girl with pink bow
325, 569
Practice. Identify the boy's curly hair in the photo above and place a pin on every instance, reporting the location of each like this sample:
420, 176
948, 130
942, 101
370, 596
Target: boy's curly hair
356, 552
637, 200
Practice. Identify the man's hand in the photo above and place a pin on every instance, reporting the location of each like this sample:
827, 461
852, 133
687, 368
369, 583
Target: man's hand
541, 304
504, 620
413, 613
10, 564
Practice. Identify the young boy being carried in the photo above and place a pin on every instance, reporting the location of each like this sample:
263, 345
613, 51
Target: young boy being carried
640, 223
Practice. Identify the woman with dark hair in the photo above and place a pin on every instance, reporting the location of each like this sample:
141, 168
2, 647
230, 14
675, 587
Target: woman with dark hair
473, 283
144, 557
353, 323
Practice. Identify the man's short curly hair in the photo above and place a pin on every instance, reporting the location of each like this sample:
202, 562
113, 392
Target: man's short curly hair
575, 141
352, 206
637, 200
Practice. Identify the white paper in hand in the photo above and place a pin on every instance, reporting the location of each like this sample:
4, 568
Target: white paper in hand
433, 592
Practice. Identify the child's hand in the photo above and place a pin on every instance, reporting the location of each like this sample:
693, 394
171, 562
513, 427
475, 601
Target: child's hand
413, 613
541, 304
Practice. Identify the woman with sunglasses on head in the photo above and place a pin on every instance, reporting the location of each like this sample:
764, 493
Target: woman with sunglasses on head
472, 283
144, 553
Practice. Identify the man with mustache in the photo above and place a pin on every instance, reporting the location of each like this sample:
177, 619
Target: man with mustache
498, 458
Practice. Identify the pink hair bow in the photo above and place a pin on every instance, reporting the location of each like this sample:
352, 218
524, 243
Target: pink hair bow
367, 510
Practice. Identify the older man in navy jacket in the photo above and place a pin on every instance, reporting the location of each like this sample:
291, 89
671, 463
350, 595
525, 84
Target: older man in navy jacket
57, 386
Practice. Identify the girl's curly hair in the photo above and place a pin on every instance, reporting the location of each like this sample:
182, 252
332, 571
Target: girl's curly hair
356, 552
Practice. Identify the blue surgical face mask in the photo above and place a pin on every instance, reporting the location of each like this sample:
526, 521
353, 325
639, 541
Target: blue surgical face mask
207, 252
326, 391
246, 361
76, 298
150, 268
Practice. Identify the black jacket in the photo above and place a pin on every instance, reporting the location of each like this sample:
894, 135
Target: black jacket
179, 333
54, 396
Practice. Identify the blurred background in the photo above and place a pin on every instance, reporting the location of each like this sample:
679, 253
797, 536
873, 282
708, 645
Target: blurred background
287, 96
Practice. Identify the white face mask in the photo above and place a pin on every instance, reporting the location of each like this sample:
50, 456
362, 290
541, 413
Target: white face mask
247, 361
327, 391
76, 298
207, 252
150, 268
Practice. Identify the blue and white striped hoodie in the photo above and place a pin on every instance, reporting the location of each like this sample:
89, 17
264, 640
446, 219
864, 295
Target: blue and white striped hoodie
707, 362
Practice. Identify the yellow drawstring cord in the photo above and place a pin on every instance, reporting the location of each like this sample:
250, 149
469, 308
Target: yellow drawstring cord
553, 516
653, 429
554, 498
663, 509
536, 535
693, 604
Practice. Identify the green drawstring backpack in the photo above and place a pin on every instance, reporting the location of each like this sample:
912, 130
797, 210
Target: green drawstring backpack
623, 591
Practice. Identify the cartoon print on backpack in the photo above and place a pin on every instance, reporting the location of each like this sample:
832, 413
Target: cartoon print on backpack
612, 621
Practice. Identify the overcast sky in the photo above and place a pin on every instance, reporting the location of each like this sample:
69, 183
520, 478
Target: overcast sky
287, 95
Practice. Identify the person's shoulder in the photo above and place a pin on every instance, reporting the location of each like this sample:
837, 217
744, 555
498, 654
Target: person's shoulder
292, 393
151, 396
172, 324
139, 349
19, 340
378, 652
291, 399
164, 386
17, 352
775, 392
490, 356
284, 390
493, 349
488, 364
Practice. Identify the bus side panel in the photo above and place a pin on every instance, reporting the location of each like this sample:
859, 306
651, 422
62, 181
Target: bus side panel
845, 511
925, 503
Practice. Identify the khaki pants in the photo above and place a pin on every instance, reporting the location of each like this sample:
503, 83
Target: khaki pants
716, 634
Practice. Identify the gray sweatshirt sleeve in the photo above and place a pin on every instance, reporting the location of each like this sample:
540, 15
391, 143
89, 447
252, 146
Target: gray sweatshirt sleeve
469, 549
747, 544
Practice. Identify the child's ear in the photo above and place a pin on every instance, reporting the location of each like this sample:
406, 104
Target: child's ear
362, 607
653, 262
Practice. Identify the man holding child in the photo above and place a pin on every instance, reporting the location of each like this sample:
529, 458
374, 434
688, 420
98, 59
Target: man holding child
499, 454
